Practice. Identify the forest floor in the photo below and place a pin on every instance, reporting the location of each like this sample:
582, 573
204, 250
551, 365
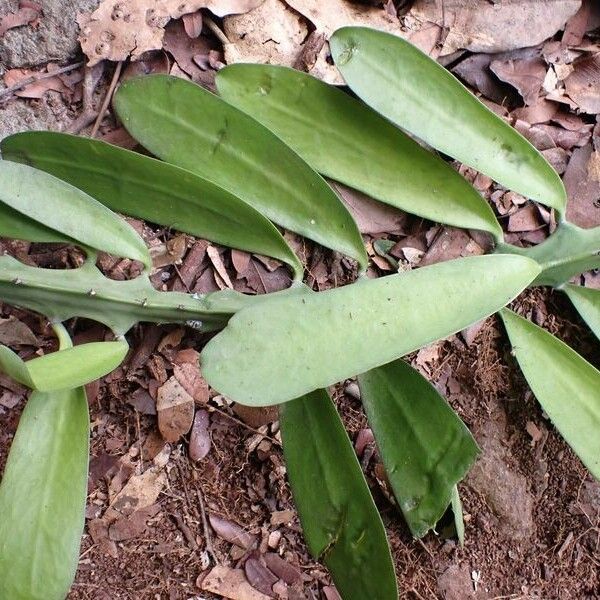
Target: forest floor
218, 519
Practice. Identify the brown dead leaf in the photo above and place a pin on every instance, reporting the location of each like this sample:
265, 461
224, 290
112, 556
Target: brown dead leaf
192, 23
372, 217
232, 532
583, 84
256, 416
188, 375
170, 253
175, 409
23, 16
15, 333
484, 26
526, 75
37, 89
583, 190
331, 593
231, 583
217, 261
259, 576
133, 526
527, 218
269, 34
200, 441
118, 29
283, 569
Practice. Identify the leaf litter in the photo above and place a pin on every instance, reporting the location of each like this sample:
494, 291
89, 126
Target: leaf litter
239, 472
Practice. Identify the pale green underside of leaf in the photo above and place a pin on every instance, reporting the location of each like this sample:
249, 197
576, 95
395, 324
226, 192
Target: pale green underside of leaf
426, 449
69, 212
569, 251
587, 303
65, 369
346, 140
188, 126
566, 385
340, 521
42, 497
419, 95
284, 348
149, 189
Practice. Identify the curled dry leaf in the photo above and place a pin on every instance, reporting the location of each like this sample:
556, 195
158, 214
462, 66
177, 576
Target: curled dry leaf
15, 333
484, 26
200, 437
259, 576
231, 583
175, 408
583, 84
118, 29
231, 532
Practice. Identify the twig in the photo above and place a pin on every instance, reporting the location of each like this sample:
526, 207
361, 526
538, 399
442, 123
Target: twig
25, 82
216, 30
107, 98
92, 77
209, 547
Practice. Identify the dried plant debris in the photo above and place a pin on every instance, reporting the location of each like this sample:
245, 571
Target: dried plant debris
484, 26
119, 29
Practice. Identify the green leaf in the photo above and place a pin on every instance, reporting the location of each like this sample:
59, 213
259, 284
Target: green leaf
419, 95
14, 366
566, 385
42, 497
286, 347
146, 188
569, 251
587, 303
340, 521
64, 369
426, 449
344, 139
69, 212
188, 126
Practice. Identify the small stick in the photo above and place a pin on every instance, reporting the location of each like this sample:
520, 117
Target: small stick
216, 30
25, 82
242, 424
107, 98
209, 547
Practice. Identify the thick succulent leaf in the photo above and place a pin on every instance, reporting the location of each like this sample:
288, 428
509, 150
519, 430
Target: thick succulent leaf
418, 94
587, 303
565, 384
346, 140
85, 292
69, 212
14, 366
425, 447
570, 250
65, 369
188, 126
340, 521
42, 497
149, 189
287, 347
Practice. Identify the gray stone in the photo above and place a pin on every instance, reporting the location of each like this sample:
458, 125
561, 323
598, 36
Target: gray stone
23, 115
54, 40
455, 583
506, 492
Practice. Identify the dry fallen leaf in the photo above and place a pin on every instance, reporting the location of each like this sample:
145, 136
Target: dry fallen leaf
231, 583
484, 26
231, 532
259, 576
583, 190
37, 89
15, 333
269, 34
200, 441
526, 75
23, 16
583, 84
118, 29
175, 409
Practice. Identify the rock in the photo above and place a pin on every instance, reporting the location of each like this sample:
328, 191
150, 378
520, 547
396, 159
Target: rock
455, 583
54, 40
505, 491
23, 115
